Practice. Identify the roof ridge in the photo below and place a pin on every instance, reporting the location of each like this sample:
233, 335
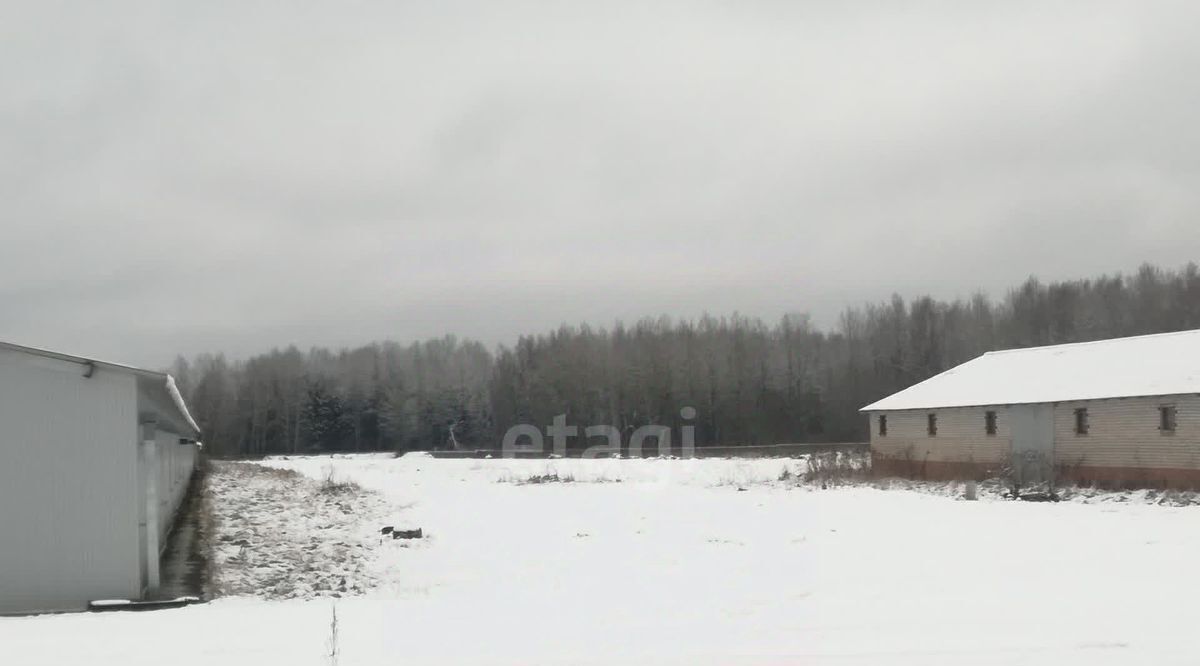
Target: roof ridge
1091, 342
73, 358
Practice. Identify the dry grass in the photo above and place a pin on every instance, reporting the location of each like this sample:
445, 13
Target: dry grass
249, 469
331, 485
282, 535
835, 469
552, 477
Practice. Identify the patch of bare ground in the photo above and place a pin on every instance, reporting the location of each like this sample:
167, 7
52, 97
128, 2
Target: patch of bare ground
281, 535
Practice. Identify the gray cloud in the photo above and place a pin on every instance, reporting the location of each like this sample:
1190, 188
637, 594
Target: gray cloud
198, 176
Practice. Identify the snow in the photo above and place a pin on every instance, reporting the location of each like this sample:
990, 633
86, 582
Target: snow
1149, 365
683, 562
280, 535
177, 398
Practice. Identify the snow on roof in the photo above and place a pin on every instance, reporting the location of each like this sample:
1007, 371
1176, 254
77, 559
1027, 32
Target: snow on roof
177, 398
1148, 365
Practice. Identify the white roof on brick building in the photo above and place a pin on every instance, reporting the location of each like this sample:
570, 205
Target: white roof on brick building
1148, 365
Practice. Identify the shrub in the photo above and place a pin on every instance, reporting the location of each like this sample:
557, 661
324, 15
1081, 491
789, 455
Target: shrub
332, 486
834, 468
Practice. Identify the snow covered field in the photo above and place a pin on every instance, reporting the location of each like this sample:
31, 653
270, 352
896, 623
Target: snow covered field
694, 561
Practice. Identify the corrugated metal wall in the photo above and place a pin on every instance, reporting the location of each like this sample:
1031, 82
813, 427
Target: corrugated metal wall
68, 471
175, 464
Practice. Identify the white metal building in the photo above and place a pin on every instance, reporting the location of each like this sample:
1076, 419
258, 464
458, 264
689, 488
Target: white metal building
95, 459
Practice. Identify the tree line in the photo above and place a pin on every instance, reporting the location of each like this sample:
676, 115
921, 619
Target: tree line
749, 382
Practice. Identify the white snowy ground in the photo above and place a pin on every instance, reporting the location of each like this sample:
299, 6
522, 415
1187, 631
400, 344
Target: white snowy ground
660, 561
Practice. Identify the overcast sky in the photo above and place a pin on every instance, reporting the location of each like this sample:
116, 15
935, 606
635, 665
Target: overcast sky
195, 176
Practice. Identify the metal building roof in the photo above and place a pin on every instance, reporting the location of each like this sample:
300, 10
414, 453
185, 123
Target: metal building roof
157, 388
1148, 365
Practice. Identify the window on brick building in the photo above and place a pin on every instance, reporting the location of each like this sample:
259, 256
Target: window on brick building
1166, 418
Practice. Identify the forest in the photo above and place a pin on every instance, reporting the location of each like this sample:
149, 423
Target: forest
750, 382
